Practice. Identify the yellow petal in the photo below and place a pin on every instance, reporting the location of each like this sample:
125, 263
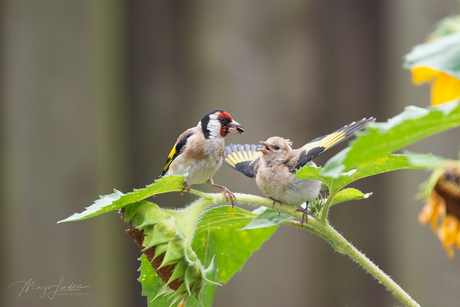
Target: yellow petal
422, 74
450, 229
434, 209
450, 252
448, 234
445, 88
443, 235
425, 215
458, 240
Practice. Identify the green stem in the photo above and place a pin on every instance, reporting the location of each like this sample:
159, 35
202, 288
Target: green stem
297, 224
325, 210
322, 228
209, 196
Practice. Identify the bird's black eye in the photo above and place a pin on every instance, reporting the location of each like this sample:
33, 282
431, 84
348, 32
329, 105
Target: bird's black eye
276, 147
224, 121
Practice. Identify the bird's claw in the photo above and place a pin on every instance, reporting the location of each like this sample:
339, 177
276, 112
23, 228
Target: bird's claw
274, 202
304, 214
185, 187
227, 193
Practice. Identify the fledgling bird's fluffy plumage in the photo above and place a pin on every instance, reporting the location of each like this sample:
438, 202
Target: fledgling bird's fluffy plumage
275, 176
198, 152
274, 164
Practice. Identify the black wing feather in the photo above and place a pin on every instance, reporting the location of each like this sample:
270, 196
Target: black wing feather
319, 145
176, 151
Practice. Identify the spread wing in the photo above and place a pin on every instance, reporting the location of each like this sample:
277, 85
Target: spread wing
319, 145
243, 158
178, 148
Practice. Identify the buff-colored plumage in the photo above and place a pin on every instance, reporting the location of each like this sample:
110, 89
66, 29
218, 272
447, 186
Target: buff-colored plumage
275, 177
200, 159
274, 163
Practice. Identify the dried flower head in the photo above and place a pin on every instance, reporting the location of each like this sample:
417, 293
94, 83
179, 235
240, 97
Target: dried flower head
442, 209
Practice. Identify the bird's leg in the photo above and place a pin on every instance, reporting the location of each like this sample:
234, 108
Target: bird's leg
186, 187
304, 213
227, 193
274, 202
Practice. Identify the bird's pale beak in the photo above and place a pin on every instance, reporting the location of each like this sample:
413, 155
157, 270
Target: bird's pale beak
234, 127
266, 147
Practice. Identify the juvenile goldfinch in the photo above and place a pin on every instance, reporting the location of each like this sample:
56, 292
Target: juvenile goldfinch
274, 164
199, 151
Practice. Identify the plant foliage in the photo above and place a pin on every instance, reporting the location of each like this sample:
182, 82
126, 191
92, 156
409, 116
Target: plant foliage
223, 238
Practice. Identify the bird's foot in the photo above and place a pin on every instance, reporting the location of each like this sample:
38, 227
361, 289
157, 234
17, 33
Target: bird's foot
227, 193
274, 202
186, 187
304, 214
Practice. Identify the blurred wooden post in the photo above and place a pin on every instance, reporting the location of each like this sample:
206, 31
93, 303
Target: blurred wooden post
63, 144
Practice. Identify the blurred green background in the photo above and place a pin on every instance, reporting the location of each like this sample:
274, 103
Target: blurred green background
93, 95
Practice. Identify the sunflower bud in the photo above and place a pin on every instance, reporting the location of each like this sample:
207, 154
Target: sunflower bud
159, 234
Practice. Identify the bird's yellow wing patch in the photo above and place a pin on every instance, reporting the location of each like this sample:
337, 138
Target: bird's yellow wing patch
241, 158
319, 145
176, 151
170, 159
328, 141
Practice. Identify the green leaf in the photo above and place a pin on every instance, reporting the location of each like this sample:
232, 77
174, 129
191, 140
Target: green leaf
118, 200
217, 237
314, 172
446, 26
147, 276
379, 139
387, 163
349, 194
442, 54
425, 161
268, 218
152, 285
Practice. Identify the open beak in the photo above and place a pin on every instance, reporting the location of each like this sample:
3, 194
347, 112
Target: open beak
266, 147
234, 127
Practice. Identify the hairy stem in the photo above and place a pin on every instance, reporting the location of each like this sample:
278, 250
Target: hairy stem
325, 210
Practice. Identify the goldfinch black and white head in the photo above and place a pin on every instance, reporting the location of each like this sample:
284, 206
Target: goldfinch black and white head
218, 124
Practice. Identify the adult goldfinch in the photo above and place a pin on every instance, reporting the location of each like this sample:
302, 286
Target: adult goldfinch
274, 164
198, 151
